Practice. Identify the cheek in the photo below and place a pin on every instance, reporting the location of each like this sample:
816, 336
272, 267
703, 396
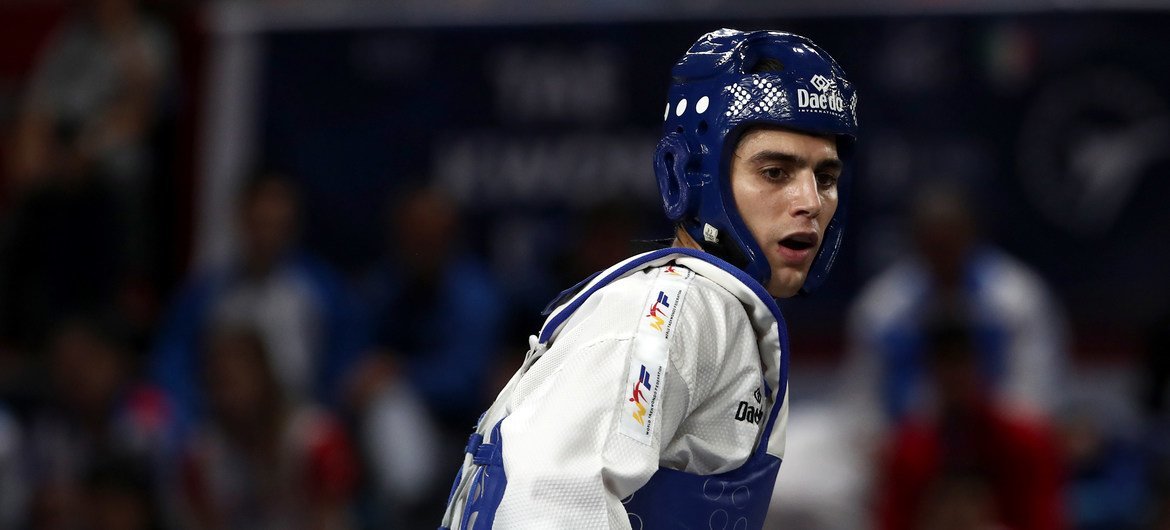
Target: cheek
829, 208
751, 201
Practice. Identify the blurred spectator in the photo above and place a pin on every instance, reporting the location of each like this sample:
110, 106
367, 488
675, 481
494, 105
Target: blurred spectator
571, 248
1107, 487
262, 461
437, 316
437, 312
294, 301
1161, 517
94, 96
121, 495
63, 255
13, 484
1018, 336
97, 410
1018, 330
957, 503
609, 233
1156, 405
1156, 391
970, 462
82, 167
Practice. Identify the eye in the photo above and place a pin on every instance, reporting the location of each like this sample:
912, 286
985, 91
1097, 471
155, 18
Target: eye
774, 174
827, 181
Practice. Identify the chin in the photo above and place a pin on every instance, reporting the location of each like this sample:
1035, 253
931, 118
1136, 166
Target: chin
785, 283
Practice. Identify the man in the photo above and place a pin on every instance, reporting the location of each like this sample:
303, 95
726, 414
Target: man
1020, 332
260, 459
421, 385
655, 395
971, 462
298, 304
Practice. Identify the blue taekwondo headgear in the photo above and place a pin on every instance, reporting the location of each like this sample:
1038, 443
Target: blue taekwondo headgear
714, 97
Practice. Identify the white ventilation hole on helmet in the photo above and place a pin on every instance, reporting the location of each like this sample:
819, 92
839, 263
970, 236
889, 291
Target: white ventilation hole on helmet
681, 108
702, 104
666, 113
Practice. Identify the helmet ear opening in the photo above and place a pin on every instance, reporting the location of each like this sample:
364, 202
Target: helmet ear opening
672, 159
757, 64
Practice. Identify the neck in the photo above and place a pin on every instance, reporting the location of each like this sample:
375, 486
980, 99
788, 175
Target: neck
684, 240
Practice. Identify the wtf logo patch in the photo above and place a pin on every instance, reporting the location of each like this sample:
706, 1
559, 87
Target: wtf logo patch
642, 393
643, 388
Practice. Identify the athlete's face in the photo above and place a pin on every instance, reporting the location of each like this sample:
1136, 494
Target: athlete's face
785, 187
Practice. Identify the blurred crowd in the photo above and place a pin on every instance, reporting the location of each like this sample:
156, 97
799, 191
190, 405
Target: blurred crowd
273, 391
956, 406
257, 394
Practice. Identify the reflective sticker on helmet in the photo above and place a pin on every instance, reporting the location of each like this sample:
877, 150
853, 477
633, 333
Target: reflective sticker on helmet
710, 233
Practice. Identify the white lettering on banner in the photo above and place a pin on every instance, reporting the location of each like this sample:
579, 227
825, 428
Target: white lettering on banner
581, 84
488, 168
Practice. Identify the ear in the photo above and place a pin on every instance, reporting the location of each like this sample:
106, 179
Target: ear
670, 163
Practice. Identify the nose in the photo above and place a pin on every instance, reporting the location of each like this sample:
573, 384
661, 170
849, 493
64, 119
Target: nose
805, 198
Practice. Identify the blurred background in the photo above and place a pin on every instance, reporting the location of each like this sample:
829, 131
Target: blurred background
262, 263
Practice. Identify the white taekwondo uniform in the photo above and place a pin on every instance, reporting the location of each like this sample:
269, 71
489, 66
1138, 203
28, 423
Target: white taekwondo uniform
666, 360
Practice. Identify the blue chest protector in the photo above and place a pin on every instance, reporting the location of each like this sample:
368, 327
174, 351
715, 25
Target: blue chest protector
733, 500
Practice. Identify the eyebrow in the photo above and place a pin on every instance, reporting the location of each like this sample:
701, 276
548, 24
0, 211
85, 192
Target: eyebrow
828, 164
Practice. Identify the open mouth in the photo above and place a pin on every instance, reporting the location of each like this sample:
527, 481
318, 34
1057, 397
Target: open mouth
799, 241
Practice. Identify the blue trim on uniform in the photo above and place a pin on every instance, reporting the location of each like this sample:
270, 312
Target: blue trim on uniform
566, 294
487, 454
750, 282
473, 443
454, 488
488, 482
556, 321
